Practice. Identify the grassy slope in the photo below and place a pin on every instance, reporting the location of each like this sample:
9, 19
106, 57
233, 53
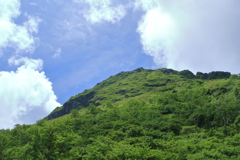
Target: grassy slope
142, 83
122, 86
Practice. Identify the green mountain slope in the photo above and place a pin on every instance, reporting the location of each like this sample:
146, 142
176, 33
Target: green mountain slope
143, 114
130, 84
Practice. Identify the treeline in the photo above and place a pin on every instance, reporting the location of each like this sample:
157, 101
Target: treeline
205, 76
191, 120
213, 75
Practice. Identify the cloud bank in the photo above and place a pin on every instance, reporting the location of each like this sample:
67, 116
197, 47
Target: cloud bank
26, 94
197, 35
13, 35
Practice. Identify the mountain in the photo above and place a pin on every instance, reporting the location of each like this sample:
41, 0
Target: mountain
131, 84
142, 114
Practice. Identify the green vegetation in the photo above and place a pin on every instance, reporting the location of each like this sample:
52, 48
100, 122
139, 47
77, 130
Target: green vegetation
130, 84
143, 114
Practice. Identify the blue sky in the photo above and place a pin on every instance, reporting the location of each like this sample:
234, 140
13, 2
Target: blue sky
51, 50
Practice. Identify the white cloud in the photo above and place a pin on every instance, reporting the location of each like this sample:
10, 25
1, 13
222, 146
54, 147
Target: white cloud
197, 35
33, 4
103, 11
32, 24
13, 35
57, 53
26, 94
157, 30
9, 9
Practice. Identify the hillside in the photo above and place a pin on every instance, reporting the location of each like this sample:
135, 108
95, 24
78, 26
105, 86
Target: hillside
142, 114
131, 84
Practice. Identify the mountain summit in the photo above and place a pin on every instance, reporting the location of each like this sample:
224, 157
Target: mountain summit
131, 84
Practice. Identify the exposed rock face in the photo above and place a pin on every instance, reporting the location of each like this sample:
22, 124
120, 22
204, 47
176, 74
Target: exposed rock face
57, 114
82, 101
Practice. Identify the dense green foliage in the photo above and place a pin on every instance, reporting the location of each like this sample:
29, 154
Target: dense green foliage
213, 75
172, 115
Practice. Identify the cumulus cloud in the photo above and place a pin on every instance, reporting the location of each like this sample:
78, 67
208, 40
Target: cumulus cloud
26, 94
103, 11
157, 30
197, 35
13, 35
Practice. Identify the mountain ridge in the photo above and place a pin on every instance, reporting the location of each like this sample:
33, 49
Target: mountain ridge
129, 84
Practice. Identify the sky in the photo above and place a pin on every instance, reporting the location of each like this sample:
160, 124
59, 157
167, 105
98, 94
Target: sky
51, 50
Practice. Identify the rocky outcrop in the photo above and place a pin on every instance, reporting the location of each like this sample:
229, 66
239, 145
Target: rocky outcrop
80, 101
